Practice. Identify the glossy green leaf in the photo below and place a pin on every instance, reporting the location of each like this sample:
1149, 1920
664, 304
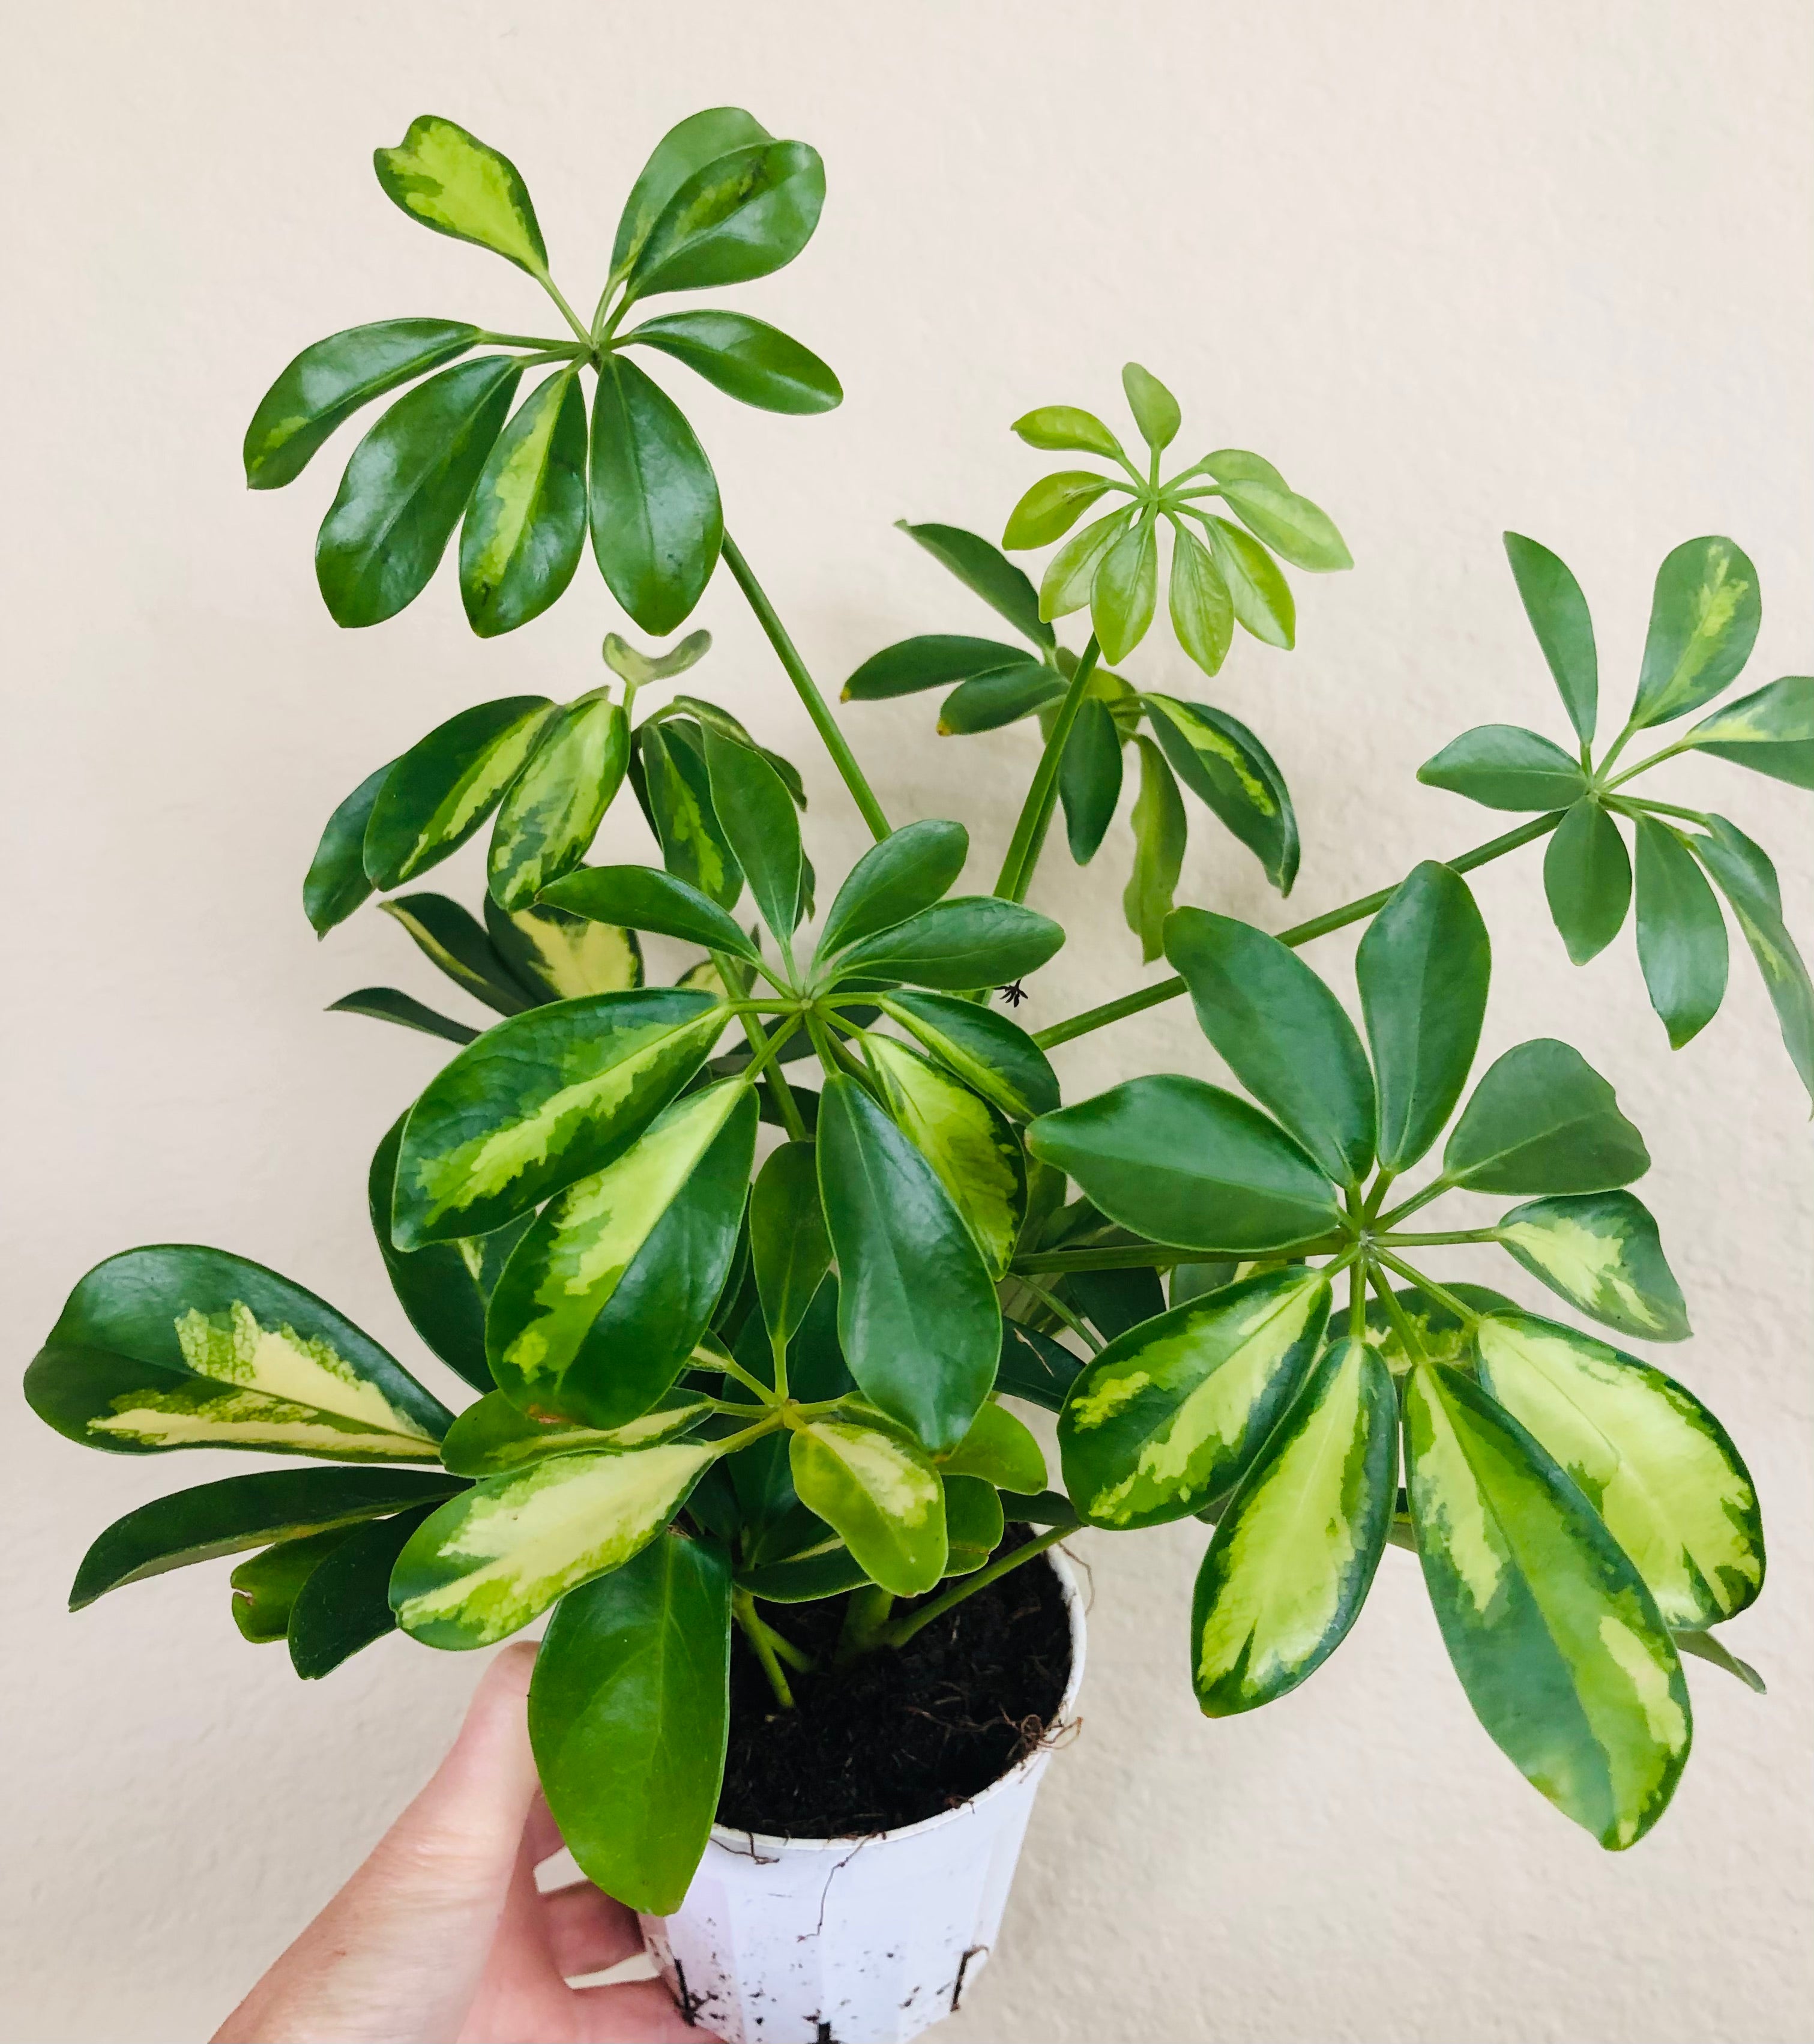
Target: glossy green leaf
643, 897
552, 812
542, 1100
1154, 407
986, 571
444, 932
440, 792
1602, 1253
805, 1580
1748, 882
739, 216
928, 662
492, 1437
1296, 1549
525, 527
1282, 1033
1052, 506
406, 486
1587, 878
329, 381
604, 1299
1423, 969
1058, 428
1126, 588
1180, 1162
657, 525
1223, 764
337, 882
880, 1494
500, 1553
628, 1711
1113, 1301
1261, 596
345, 1604
1704, 614
1550, 1626
1706, 1647
385, 1004
1558, 615
1070, 574
992, 1056
1296, 529
678, 794
757, 815
917, 1316
1681, 935
908, 870
968, 941
1202, 612
1772, 731
975, 1523
689, 146
747, 358
1089, 779
1001, 1451
1034, 1367
558, 956
265, 1587
1003, 696
243, 1512
450, 181
789, 1245
1505, 767
1543, 1120
1159, 829
1170, 1413
178, 1346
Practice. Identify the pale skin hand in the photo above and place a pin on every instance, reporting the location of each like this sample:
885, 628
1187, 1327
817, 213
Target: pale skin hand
442, 1934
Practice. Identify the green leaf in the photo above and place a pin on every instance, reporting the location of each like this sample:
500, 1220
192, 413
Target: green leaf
552, 812
1183, 1162
1556, 1640
679, 799
1681, 935
452, 181
1070, 574
1542, 1120
1261, 596
1170, 1413
882, 1496
345, 1604
1704, 616
447, 784
525, 527
1296, 1549
1154, 407
406, 486
243, 1512
1747, 880
657, 525
1202, 612
558, 956
908, 870
1587, 878
500, 1553
328, 382
974, 1523
1505, 767
1282, 1033
917, 1316
1090, 778
385, 1003
542, 1100
756, 813
1224, 765
741, 215
628, 665
628, 1711
1654, 1463
178, 1346
789, 1245
643, 897
1034, 1367
1423, 968
806, 1579
1003, 696
1115, 1300
1294, 527
1159, 828
1052, 506
492, 1438
265, 1587
689, 146
1058, 428
969, 940
1771, 731
336, 882
927, 661
1001, 1451
992, 1056
1126, 588
747, 358
1558, 615
1236, 465
985, 570
966, 1140
604, 1300
1601, 1252
1704, 1647
444, 932
1441, 1335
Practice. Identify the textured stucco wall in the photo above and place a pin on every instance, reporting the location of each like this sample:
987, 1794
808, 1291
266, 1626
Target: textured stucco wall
1455, 268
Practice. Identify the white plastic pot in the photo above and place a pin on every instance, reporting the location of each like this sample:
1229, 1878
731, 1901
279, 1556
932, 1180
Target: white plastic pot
857, 1940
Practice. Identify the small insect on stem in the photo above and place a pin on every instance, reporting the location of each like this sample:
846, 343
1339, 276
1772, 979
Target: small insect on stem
1013, 993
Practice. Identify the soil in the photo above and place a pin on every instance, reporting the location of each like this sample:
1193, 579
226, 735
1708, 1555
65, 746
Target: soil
896, 1737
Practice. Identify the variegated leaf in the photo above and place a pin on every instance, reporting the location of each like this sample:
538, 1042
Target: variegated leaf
554, 809
1601, 1252
1654, 1463
880, 1494
1770, 731
1442, 1335
1224, 765
525, 525
492, 1437
992, 1056
678, 797
451, 939
440, 792
562, 956
1704, 615
449, 180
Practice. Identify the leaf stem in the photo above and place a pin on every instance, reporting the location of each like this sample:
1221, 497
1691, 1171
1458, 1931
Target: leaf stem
1036, 817
1643, 766
567, 312
1630, 805
1056, 1305
1440, 1241
1396, 1314
742, 1604
759, 1045
543, 342
1405, 1209
866, 1615
899, 1634
1428, 1286
1141, 1256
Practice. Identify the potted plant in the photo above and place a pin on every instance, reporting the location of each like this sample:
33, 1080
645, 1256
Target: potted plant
749, 1271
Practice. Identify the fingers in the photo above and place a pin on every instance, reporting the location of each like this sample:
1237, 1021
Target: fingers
587, 1931
640, 2013
543, 1836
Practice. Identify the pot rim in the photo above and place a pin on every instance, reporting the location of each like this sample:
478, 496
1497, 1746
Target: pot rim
767, 1845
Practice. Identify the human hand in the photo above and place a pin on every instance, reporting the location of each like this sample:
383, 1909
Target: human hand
442, 1934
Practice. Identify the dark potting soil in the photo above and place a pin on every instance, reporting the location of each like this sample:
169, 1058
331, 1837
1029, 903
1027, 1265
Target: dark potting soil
895, 1737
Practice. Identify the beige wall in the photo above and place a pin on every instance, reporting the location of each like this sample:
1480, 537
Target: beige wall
1454, 268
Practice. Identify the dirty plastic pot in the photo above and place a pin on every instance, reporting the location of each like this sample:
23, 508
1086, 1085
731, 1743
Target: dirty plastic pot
854, 1940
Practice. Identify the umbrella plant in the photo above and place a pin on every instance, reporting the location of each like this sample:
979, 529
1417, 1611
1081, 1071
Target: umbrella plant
750, 1271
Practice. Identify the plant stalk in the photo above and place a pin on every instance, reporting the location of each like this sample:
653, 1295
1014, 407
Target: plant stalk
1428, 1286
757, 1633
1036, 817
898, 1634
866, 1620
1141, 1256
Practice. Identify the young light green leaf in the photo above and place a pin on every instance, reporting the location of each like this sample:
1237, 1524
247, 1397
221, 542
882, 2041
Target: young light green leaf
985, 570
1090, 778
450, 181
689, 146
1423, 969
974, 1523
1003, 696
494, 1437
345, 1604
670, 759
966, 941
1543, 1120
1261, 596
1747, 880
992, 1056
1282, 1033
551, 813
1180, 1162
1299, 531
1055, 428
741, 215
1202, 612
789, 1245
927, 661
907, 871
447, 934
1550, 1628
1223, 764
1505, 767
1159, 829
1296, 1547
1681, 935
1704, 616
756, 814
265, 1587
642, 898
641, 669
1587, 879
1771, 731
447, 784
1126, 587
657, 523
1602, 1253
747, 358
1654, 1463
1170, 1413
882, 1496
1154, 407
1558, 615
1052, 506
1237, 465
337, 882
1001, 1451
558, 956
1070, 574
525, 527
